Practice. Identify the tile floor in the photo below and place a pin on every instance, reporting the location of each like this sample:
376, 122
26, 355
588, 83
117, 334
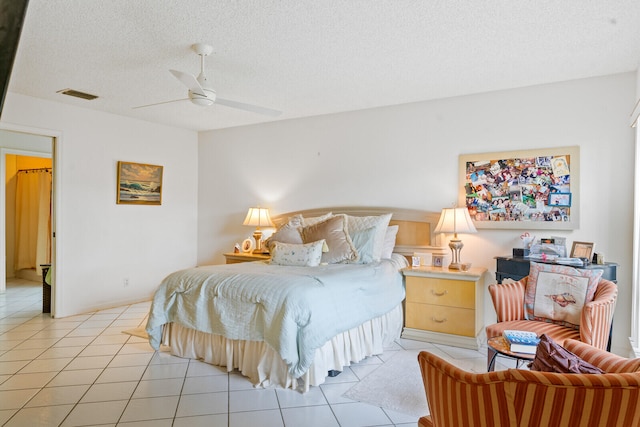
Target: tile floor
83, 371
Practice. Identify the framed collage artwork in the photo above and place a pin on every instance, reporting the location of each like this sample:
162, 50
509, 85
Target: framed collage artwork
526, 189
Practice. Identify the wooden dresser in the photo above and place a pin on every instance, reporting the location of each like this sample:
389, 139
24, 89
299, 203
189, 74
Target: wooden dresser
444, 306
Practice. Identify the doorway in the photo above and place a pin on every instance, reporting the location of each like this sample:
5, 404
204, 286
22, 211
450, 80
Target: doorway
27, 215
20, 148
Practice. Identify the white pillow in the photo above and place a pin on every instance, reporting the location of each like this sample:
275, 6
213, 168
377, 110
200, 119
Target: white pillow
389, 241
381, 222
363, 242
299, 255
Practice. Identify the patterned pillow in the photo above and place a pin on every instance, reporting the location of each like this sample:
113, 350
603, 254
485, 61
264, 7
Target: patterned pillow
556, 293
552, 357
299, 255
334, 231
380, 223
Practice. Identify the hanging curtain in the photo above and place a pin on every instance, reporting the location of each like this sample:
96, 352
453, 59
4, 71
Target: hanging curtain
33, 219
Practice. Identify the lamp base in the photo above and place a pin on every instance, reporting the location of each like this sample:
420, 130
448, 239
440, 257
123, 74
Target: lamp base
257, 236
456, 246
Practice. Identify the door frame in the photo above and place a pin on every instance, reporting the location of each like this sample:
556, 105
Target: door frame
56, 146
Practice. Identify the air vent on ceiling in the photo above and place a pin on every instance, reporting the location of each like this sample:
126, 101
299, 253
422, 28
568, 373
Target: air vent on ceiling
77, 94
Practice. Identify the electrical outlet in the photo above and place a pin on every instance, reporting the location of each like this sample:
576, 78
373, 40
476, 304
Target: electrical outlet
125, 282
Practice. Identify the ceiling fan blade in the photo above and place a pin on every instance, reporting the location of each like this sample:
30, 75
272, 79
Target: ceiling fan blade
189, 81
160, 103
248, 107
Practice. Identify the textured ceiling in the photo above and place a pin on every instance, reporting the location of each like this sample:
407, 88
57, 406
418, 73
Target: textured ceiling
308, 57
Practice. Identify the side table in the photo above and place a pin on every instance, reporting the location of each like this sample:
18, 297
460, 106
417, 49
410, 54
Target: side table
518, 267
46, 289
498, 345
234, 258
444, 306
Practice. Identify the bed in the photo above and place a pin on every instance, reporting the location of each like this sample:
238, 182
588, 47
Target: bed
331, 295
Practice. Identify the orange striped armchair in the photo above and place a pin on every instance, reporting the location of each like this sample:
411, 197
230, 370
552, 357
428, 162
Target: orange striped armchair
595, 322
518, 397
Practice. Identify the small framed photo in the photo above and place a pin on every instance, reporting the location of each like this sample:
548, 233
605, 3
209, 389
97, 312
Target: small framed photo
438, 260
247, 245
560, 199
582, 250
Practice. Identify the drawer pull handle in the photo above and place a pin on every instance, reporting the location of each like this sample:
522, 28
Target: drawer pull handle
439, 320
438, 294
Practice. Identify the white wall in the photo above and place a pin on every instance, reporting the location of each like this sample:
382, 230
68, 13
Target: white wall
407, 156
100, 243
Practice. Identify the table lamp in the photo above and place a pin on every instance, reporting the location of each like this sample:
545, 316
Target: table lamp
455, 220
258, 217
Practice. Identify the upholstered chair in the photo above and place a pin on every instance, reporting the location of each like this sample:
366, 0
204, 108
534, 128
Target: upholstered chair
520, 397
595, 322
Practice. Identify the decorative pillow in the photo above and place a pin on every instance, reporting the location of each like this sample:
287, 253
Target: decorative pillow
288, 233
334, 231
556, 293
363, 242
380, 222
389, 241
299, 221
552, 357
301, 255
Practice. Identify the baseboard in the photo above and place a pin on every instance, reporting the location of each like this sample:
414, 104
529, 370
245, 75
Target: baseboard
440, 338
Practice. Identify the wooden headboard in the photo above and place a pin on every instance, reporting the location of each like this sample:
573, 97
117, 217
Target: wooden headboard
415, 231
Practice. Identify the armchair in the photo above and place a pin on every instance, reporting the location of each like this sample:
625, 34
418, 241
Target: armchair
595, 322
518, 397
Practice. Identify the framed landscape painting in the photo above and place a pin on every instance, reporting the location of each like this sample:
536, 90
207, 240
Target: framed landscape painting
139, 184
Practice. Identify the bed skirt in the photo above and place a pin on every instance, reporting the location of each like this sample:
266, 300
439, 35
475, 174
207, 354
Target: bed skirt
264, 367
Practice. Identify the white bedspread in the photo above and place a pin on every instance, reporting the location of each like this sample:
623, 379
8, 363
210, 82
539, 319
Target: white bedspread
294, 309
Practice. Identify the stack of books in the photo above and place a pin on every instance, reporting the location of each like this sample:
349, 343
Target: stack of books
521, 341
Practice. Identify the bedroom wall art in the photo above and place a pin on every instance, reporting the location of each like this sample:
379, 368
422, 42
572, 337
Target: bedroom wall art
139, 184
525, 189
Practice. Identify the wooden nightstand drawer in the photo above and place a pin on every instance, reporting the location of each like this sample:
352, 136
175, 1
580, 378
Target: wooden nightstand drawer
234, 258
453, 293
448, 320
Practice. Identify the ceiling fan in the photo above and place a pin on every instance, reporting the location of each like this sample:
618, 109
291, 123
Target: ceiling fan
201, 93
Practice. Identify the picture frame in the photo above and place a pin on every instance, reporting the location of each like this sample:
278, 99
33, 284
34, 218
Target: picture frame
560, 199
582, 250
438, 260
247, 246
536, 189
139, 184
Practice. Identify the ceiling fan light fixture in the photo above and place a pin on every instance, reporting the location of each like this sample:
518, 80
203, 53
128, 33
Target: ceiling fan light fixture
203, 102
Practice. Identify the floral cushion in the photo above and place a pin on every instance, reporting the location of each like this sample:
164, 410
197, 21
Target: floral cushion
302, 255
557, 294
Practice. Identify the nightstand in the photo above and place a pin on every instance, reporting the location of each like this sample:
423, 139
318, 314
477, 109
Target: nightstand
234, 258
444, 306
